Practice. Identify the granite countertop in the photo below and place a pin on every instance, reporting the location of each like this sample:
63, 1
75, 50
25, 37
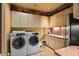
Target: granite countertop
58, 36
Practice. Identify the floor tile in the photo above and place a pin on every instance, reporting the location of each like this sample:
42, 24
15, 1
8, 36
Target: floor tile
44, 51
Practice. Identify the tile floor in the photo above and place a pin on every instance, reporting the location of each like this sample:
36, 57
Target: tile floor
44, 51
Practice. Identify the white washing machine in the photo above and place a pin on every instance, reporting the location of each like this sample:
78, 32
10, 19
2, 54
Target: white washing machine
33, 42
18, 43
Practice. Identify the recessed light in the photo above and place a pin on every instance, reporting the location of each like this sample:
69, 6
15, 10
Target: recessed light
48, 8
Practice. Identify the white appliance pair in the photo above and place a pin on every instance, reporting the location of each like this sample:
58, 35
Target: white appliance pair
24, 43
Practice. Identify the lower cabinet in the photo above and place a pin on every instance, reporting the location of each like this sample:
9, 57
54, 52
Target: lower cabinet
59, 43
47, 39
54, 42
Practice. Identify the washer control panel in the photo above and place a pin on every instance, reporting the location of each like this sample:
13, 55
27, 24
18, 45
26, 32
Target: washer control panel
20, 34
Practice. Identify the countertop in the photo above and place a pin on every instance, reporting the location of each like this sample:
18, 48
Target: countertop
68, 51
58, 36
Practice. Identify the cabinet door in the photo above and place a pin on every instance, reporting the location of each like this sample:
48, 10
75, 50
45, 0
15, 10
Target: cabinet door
60, 20
15, 16
52, 42
29, 20
59, 43
57, 20
64, 18
53, 20
66, 15
76, 10
44, 21
56, 43
47, 40
23, 19
36, 21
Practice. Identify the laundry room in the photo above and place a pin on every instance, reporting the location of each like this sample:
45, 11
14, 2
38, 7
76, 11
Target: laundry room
37, 29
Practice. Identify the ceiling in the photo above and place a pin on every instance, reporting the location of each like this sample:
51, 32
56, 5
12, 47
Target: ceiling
43, 7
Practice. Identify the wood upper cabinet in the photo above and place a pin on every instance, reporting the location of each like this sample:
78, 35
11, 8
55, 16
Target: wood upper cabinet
59, 21
30, 20
76, 10
20, 19
53, 20
38, 21
15, 19
66, 13
66, 17
44, 21
61, 18
23, 22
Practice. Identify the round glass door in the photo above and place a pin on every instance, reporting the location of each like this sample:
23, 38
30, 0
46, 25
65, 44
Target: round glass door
18, 42
33, 40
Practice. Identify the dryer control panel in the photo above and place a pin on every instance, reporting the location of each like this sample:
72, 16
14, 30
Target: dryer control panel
35, 33
20, 34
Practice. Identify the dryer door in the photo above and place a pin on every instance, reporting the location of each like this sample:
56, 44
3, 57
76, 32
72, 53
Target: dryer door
33, 40
18, 42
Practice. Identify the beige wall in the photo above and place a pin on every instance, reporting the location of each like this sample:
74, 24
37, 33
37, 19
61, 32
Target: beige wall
5, 27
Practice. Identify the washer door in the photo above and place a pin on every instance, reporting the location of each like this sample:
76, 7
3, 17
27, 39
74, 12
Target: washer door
18, 42
33, 40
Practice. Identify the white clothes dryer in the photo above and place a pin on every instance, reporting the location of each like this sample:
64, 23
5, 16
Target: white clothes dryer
33, 42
